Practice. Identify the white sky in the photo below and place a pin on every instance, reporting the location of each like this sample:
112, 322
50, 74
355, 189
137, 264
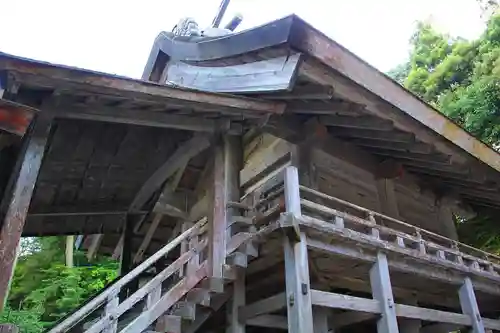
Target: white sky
115, 36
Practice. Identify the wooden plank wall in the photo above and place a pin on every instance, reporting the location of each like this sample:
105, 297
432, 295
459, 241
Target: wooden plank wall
338, 178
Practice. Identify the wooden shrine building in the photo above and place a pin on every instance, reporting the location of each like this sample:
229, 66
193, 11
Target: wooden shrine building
260, 181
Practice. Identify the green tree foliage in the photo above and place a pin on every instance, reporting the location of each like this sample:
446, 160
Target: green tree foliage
461, 78
43, 289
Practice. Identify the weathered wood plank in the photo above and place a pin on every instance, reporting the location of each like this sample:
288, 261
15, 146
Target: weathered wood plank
28, 165
268, 75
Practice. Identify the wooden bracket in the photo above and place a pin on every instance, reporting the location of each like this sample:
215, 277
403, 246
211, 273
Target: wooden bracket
289, 223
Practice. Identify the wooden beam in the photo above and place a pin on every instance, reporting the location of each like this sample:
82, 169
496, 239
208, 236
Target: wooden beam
370, 134
412, 147
148, 118
28, 164
264, 306
185, 152
344, 302
334, 107
268, 321
362, 122
166, 194
307, 92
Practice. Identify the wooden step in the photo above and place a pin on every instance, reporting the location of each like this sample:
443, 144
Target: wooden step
169, 323
237, 259
242, 221
185, 310
212, 284
199, 296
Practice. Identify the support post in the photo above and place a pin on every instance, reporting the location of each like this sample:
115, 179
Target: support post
382, 291
217, 238
469, 305
238, 300
387, 197
298, 291
28, 164
320, 320
70, 246
233, 162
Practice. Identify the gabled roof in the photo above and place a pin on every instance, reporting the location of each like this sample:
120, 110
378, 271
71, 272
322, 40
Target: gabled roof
367, 108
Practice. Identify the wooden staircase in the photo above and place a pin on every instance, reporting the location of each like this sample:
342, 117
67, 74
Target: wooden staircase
178, 298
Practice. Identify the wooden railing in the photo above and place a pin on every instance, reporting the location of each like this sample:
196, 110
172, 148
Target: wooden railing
381, 227
108, 307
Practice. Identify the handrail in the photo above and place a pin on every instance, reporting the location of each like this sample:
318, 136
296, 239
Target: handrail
371, 212
113, 290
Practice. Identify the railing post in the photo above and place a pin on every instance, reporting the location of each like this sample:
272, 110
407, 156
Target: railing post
109, 311
469, 305
292, 191
382, 291
299, 306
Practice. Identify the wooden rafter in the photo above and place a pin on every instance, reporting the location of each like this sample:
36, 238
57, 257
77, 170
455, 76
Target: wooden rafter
185, 152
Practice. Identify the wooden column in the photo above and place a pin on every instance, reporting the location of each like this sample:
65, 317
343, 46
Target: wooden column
70, 246
445, 218
469, 305
217, 230
298, 291
320, 320
387, 197
225, 187
28, 164
382, 291
233, 163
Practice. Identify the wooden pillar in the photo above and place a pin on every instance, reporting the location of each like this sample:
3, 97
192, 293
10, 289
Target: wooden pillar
446, 220
382, 291
70, 245
469, 305
320, 320
217, 230
298, 291
126, 256
387, 197
233, 163
28, 164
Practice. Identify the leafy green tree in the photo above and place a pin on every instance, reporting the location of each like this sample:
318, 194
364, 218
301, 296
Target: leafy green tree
44, 290
461, 78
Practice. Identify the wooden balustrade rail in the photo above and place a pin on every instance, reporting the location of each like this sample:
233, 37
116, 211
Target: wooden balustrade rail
110, 296
454, 248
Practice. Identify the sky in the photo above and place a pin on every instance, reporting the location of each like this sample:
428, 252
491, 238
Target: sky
115, 36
